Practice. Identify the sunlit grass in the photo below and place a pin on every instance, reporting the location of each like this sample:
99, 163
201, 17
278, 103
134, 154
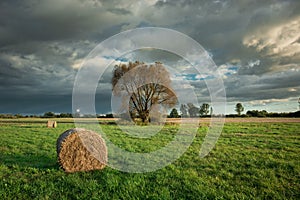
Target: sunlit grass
249, 161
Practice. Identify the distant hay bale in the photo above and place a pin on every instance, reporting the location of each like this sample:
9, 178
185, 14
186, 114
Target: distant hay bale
81, 150
51, 124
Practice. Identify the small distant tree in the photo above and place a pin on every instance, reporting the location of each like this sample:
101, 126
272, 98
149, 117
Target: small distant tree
109, 115
262, 113
49, 115
65, 115
184, 110
204, 109
174, 113
19, 116
239, 108
193, 110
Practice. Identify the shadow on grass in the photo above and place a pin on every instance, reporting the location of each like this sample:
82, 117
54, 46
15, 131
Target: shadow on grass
29, 160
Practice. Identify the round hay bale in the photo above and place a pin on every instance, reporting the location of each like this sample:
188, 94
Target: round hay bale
51, 124
81, 150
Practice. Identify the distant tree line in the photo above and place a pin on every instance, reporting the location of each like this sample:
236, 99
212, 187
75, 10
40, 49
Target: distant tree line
205, 110
264, 113
53, 115
250, 113
191, 111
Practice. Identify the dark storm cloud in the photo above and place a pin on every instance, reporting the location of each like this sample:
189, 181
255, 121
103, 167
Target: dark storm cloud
119, 11
279, 85
35, 104
18, 70
32, 20
42, 43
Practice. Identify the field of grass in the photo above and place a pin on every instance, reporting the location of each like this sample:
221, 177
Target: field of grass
251, 160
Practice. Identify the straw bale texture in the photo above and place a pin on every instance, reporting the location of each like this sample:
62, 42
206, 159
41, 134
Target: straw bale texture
81, 150
51, 124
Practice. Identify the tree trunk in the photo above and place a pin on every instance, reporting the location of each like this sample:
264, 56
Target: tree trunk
145, 117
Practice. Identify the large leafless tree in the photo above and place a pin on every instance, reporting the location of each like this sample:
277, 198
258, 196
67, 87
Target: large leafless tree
147, 86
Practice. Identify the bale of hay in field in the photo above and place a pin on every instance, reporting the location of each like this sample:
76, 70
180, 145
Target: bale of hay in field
51, 124
81, 150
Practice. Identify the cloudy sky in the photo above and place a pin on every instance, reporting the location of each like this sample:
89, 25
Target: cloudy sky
254, 44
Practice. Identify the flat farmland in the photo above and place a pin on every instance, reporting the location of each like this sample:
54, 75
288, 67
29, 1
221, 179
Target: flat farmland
254, 158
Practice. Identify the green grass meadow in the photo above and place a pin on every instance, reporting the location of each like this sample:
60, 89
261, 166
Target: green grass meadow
250, 161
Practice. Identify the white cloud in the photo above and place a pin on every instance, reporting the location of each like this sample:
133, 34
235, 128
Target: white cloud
279, 43
253, 63
77, 64
292, 90
267, 101
226, 70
